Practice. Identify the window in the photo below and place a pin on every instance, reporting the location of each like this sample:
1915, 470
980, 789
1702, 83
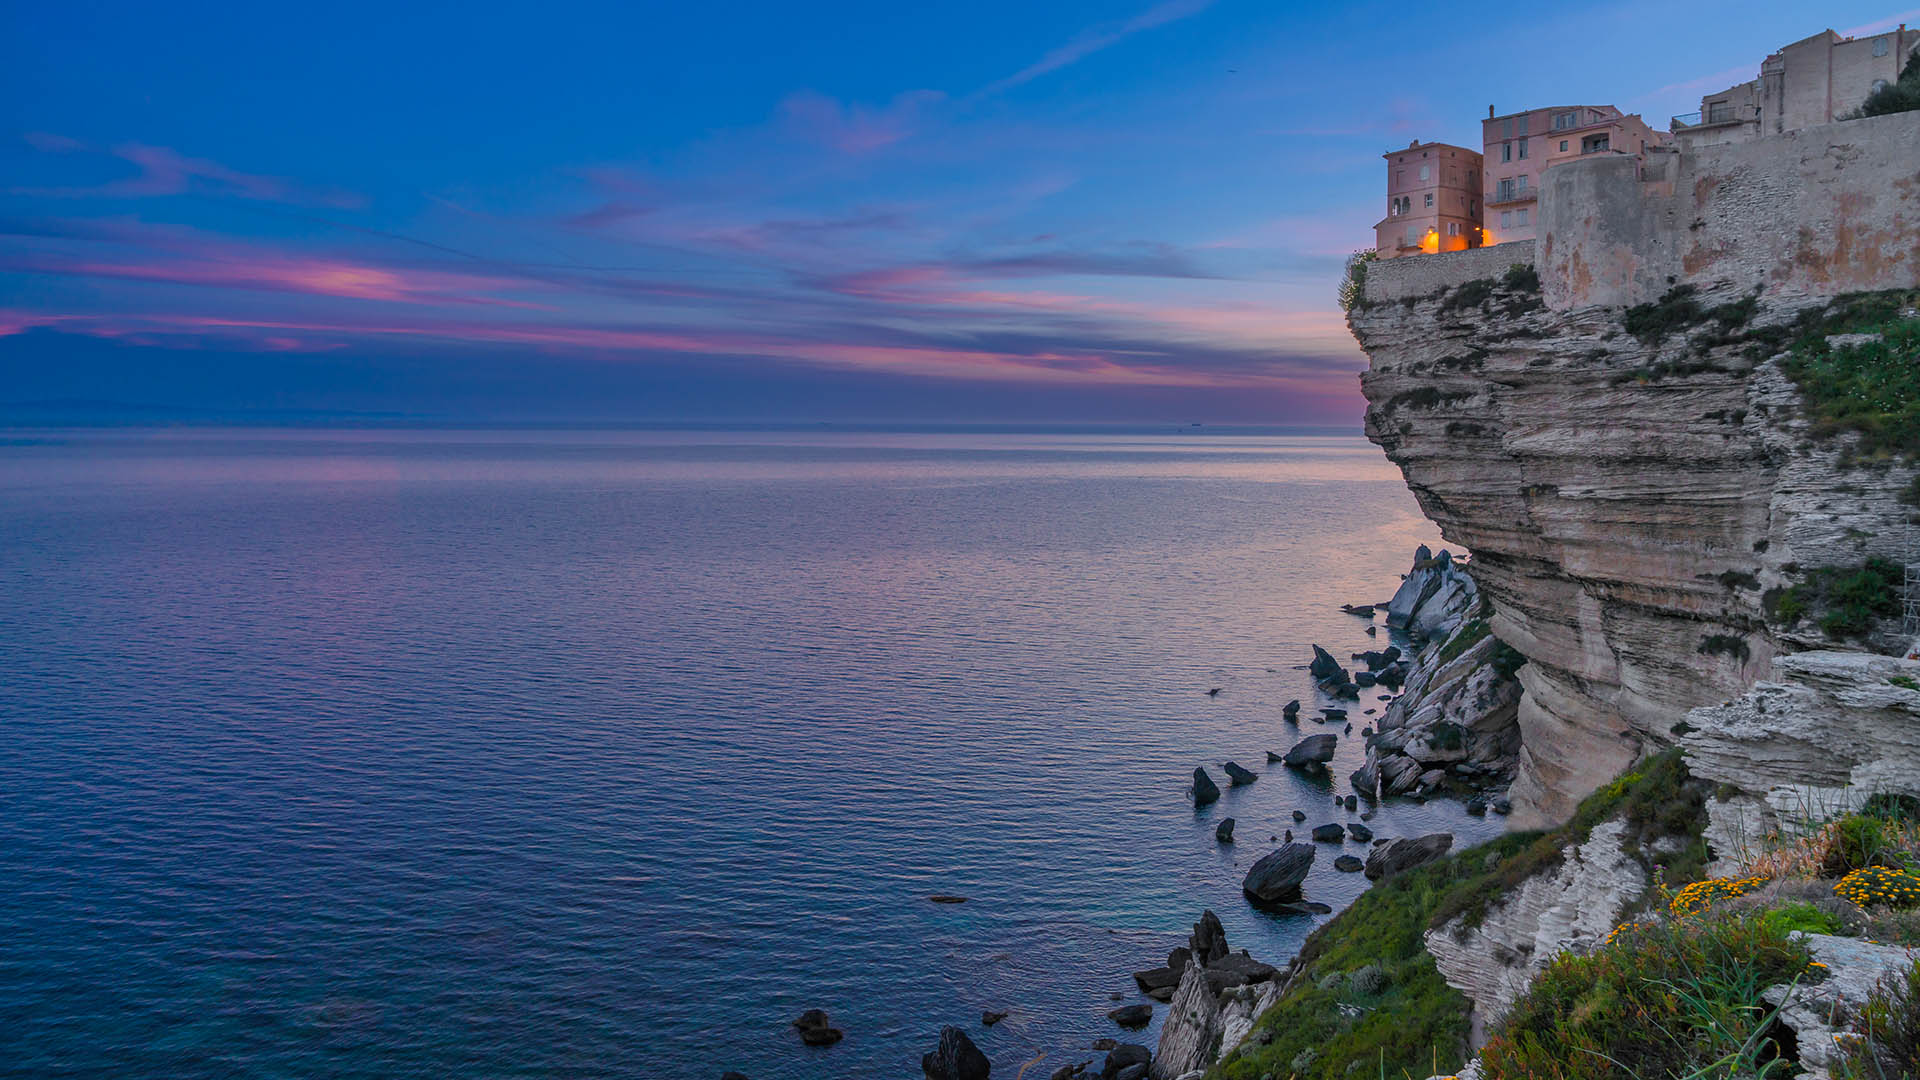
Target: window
1565, 120
1719, 112
1399, 178
1523, 149
1506, 219
1563, 146
1594, 144
1506, 151
1523, 127
1426, 172
1429, 200
1506, 128
1520, 216
1879, 46
1453, 228
1473, 207
1879, 85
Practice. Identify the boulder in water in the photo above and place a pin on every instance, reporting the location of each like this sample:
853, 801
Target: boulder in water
1312, 750
816, 1030
1277, 876
1131, 1016
1396, 856
1329, 834
956, 1058
1204, 789
1223, 832
1238, 776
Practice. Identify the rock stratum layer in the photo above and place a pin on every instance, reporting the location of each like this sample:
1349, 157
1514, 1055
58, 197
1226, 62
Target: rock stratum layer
1627, 504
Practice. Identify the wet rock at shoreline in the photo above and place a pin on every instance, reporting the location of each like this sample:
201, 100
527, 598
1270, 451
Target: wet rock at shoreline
1125, 1056
1277, 876
1204, 789
1131, 1016
956, 1058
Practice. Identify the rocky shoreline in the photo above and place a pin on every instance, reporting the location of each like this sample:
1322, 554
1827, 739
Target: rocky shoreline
1444, 728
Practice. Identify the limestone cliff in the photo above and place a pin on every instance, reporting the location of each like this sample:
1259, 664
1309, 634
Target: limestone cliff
1607, 426
1628, 502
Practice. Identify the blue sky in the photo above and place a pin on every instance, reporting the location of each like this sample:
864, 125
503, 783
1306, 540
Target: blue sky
851, 211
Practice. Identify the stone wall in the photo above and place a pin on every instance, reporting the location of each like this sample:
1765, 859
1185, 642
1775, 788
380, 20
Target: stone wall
1422, 275
1815, 212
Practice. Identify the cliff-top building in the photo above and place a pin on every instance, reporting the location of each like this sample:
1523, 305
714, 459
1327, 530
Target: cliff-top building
1518, 147
1815, 80
1433, 200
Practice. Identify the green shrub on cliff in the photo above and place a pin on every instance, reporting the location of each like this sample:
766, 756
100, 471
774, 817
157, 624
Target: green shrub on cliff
1353, 286
1322, 1029
1871, 389
1662, 1000
1846, 601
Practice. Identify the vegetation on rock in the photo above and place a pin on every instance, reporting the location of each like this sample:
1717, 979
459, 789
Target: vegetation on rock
1845, 601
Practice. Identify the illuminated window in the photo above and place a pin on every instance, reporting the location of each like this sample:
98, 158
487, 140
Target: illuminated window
1453, 228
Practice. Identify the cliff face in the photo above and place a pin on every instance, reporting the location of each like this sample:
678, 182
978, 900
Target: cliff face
1628, 501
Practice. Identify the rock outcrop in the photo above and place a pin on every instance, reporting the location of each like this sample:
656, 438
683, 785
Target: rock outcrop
1458, 711
1573, 906
1218, 996
1629, 497
1277, 876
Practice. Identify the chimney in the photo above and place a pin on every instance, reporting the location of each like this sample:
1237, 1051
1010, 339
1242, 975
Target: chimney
1489, 112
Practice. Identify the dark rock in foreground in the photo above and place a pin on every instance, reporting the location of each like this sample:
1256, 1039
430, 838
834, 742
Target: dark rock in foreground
1223, 832
1131, 1016
1207, 944
1277, 876
1204, 789
1329, 834
1348, 864
1359, 832
956, 1058
1238, 776
1393, 857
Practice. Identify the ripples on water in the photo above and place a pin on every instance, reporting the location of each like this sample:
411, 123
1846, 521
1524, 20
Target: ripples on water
371, 753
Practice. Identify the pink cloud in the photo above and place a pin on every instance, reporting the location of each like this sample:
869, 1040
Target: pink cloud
854, 128
165, 171
236, 268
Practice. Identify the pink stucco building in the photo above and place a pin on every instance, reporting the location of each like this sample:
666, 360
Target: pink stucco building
1518, 147
1433, 200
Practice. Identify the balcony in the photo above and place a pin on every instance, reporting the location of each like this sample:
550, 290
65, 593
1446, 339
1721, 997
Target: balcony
1718, 116
1511, 196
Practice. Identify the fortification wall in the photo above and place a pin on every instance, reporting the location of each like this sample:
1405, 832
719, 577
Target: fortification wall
1815, 212
1423, 275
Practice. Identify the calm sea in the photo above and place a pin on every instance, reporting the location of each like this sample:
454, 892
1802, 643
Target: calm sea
370, 753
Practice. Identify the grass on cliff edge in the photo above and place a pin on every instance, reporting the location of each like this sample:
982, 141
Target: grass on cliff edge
1417, 1024
1872, 390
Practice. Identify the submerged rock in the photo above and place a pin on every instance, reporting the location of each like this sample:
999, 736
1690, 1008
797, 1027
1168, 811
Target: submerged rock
816, 1030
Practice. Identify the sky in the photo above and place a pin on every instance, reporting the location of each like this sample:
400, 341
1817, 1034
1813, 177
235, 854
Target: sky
1127, 210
